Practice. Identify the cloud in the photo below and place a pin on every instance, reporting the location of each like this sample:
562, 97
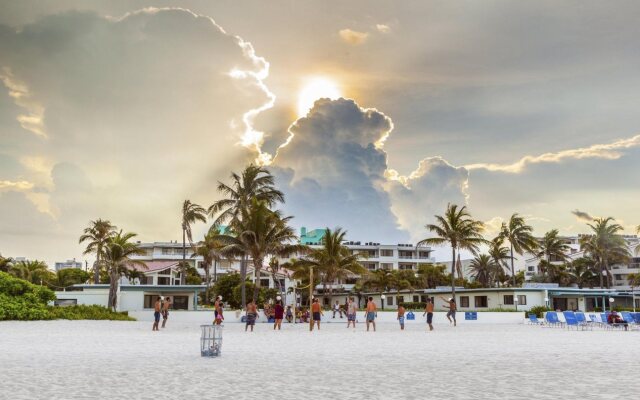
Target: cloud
18, 185
382, 28
33, 121
353, 37
582, 216
608, 151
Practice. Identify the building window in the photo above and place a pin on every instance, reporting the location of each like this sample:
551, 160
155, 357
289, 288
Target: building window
464, 301
264, 283
180, 302
423, 298
163, 280
400, 299
386, 253
507, 300
481, 301
531, 268
390, 300
416, 298
386, 266
522, 299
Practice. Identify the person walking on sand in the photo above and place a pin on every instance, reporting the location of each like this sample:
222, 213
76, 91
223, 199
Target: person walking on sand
371, 312
352, 309
401, 316
316, 312
252, 314
289, 315
278, 314
219, 312
452, 309
156, 314
165, 310
428, 310
216, 305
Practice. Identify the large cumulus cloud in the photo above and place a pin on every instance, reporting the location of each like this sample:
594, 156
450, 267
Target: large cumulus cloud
129, 116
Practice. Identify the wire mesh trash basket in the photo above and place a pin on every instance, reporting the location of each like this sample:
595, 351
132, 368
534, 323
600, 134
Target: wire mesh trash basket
211, 340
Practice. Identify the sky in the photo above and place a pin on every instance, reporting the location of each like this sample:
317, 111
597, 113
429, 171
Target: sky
122, 110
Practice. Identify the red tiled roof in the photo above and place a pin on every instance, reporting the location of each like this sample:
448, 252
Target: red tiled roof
155, 266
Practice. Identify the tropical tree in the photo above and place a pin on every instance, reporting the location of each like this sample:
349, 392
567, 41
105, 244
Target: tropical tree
33, 271
520, 238
333, 261
551, 247
97, 234
482, 269
457, 229
211, 251
254, 182
581, 271
260, 232
379, 280
5, 263
71, 276
605, 245
117, 257
191, 213
634, 280
499, 255
432, 275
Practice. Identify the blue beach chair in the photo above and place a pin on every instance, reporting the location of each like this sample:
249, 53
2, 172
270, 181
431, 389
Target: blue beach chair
552, 319
533, 320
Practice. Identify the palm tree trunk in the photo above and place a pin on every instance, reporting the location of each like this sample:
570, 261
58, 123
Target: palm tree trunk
96, 268
257, 266
453, 272
600, 264
113, 290
606, 267
513, 270
183, 278
243, 279
215, 270
206, 277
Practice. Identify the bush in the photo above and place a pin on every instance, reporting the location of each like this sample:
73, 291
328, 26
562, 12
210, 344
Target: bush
537, 310
414, 306
92, 312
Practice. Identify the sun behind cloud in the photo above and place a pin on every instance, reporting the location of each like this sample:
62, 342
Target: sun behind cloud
314, 89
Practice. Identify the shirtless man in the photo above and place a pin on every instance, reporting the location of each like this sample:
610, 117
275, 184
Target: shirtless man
371, 312
216, 306
252, 314
428, 310
165, 310
401, 312
351, 313
156, 314
218, 312
316, 312
452, 309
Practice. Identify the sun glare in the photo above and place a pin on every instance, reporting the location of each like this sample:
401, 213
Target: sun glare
316, 88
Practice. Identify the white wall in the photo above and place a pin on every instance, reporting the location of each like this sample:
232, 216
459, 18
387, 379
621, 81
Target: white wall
97, 297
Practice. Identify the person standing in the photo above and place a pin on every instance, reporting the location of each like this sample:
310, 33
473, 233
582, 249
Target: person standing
352, 309
289, 314
165, 310
371, 313
156, 314
278, 313
428, 310
216, 305
219, 312
252, 314
452, 309
316, 312
401, 316
337, 309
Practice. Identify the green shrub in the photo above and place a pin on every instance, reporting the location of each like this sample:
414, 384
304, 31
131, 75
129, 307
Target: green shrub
414, 305
92, 312
537, 310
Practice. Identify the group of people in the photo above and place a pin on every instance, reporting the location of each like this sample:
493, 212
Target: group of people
161, 308
277, 313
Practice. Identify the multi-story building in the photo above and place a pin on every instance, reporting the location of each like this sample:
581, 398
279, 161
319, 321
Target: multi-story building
68, 264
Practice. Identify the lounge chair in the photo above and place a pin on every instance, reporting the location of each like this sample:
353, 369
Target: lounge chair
605, 320
552, 319
582, 320
636, 317
533, 320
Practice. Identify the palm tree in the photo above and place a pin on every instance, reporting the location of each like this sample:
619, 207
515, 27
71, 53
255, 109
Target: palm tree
605, 245
32, 271
581, 271
551, 247
5, 263
333, 261
460, 231
379, 280
254, 182
97, 234
191, 213
520, 238
260, 232
432, 275
499, 255
211, 251
117, 257
482, 268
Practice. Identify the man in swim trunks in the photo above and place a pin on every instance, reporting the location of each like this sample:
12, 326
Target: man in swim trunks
401, 316
165, 310
316, 312
156, 314
452, 309
371, 312
252, 314
351, 313
428, 310
216, 305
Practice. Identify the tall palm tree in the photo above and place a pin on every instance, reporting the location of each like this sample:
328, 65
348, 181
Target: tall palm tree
254, 182
606, 246
259, 233
210, 249
460, 231
97, 234
333, 261
520, 238
581, 272
117, 257
551, 247
380, 280
482, 269
32, 271
5, 263
499, 255
191, 213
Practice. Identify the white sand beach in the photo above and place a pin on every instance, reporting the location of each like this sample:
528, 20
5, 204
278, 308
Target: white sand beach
118, 360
